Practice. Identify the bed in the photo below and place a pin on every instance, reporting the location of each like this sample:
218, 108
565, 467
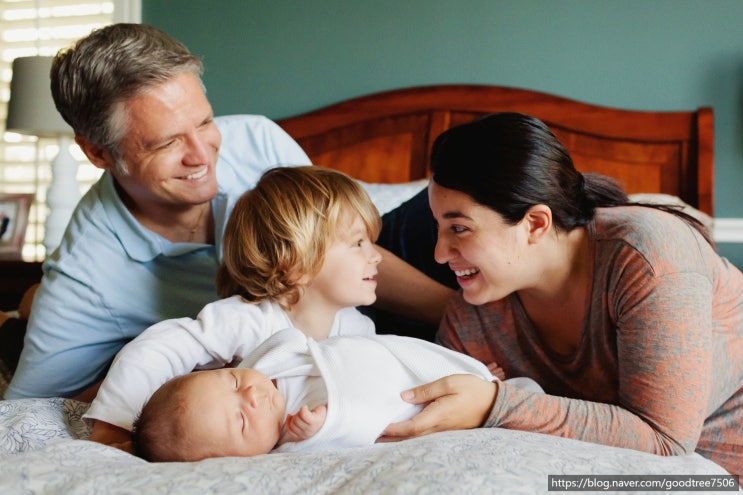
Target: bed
384, 140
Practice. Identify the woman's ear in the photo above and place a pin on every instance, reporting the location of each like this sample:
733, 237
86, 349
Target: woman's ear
97, 155
539, 221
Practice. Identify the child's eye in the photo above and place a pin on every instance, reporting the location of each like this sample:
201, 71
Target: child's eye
359, 243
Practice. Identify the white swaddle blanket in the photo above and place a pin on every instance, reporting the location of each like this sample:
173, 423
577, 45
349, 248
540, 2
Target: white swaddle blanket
359, 377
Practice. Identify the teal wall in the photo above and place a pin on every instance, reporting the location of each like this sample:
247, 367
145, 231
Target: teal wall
283, 57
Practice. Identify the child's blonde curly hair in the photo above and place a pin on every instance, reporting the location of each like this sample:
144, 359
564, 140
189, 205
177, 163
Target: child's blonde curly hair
278, 231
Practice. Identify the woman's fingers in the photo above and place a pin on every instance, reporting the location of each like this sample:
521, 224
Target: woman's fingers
454, 402
428, 392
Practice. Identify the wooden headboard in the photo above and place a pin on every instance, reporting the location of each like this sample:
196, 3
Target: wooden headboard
387, 137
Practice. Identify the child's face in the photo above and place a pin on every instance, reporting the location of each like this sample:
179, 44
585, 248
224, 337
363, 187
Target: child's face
232, 412
348, 273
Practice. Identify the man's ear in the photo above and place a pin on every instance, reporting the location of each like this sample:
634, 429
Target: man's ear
539, 222
97, 155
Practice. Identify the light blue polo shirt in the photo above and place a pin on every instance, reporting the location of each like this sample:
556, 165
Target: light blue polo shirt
111, 278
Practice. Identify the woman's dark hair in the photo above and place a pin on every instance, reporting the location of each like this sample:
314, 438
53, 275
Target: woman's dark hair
510, 162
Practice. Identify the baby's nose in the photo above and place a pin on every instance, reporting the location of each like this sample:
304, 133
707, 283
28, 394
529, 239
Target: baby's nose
254, 396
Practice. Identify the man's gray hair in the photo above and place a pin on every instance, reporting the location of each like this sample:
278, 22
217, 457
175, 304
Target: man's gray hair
91, 80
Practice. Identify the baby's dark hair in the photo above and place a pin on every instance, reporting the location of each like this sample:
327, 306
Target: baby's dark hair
159, 433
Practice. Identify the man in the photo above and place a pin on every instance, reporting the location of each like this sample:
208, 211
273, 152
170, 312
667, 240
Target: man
144, 243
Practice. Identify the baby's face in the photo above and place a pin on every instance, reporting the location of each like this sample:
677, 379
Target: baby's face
233, 412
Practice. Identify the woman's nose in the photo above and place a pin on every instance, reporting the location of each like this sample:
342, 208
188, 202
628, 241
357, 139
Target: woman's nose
442, 251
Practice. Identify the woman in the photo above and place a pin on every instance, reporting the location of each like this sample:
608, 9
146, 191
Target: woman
624, 313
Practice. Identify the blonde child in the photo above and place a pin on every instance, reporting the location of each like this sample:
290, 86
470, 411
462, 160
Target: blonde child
298, 253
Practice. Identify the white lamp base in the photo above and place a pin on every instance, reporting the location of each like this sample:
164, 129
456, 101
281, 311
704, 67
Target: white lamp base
62, 195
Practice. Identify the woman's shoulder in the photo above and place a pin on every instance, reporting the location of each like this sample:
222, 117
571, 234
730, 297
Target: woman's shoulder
641, 226
654, 237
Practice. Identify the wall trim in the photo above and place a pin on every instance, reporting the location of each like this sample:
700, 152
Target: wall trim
128, 11
728, 230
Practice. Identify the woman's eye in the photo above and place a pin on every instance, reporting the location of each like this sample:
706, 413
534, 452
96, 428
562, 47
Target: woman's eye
457, 229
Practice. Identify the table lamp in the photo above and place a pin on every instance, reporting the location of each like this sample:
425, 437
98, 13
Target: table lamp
31, 111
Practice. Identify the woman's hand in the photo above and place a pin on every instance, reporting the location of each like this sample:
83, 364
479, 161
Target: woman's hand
456, 402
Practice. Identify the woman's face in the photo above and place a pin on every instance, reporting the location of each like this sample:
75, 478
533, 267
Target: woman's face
488, 256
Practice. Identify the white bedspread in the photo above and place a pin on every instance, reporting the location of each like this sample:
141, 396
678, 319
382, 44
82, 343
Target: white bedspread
42, 452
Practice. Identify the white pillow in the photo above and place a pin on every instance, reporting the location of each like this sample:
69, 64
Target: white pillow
387, 197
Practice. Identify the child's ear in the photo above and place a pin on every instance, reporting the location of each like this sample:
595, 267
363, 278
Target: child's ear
539, 222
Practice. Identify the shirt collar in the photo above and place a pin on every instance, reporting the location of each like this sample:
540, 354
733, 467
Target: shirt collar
140, 243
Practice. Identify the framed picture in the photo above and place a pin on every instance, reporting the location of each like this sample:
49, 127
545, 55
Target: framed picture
14, 210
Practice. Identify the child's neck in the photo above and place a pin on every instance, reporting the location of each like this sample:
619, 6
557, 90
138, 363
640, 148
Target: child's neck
314, 320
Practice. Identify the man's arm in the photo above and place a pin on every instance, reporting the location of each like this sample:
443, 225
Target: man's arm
70, 340
409, 292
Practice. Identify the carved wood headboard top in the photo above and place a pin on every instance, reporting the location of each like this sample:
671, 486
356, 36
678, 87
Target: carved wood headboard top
387, 136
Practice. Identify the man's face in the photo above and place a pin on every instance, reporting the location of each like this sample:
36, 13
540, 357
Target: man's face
170, 147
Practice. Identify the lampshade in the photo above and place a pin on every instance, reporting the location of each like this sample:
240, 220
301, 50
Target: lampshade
31, 109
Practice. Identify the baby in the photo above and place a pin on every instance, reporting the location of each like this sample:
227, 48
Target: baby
345, 389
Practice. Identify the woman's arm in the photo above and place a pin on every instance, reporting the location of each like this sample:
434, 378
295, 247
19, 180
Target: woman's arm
664, 358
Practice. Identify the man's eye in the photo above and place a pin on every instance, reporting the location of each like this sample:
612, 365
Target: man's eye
165, 146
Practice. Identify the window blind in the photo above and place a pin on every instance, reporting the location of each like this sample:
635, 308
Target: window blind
28, 28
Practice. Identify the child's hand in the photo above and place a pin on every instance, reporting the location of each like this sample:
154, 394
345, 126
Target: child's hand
497, 371
113, 436
303, 424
